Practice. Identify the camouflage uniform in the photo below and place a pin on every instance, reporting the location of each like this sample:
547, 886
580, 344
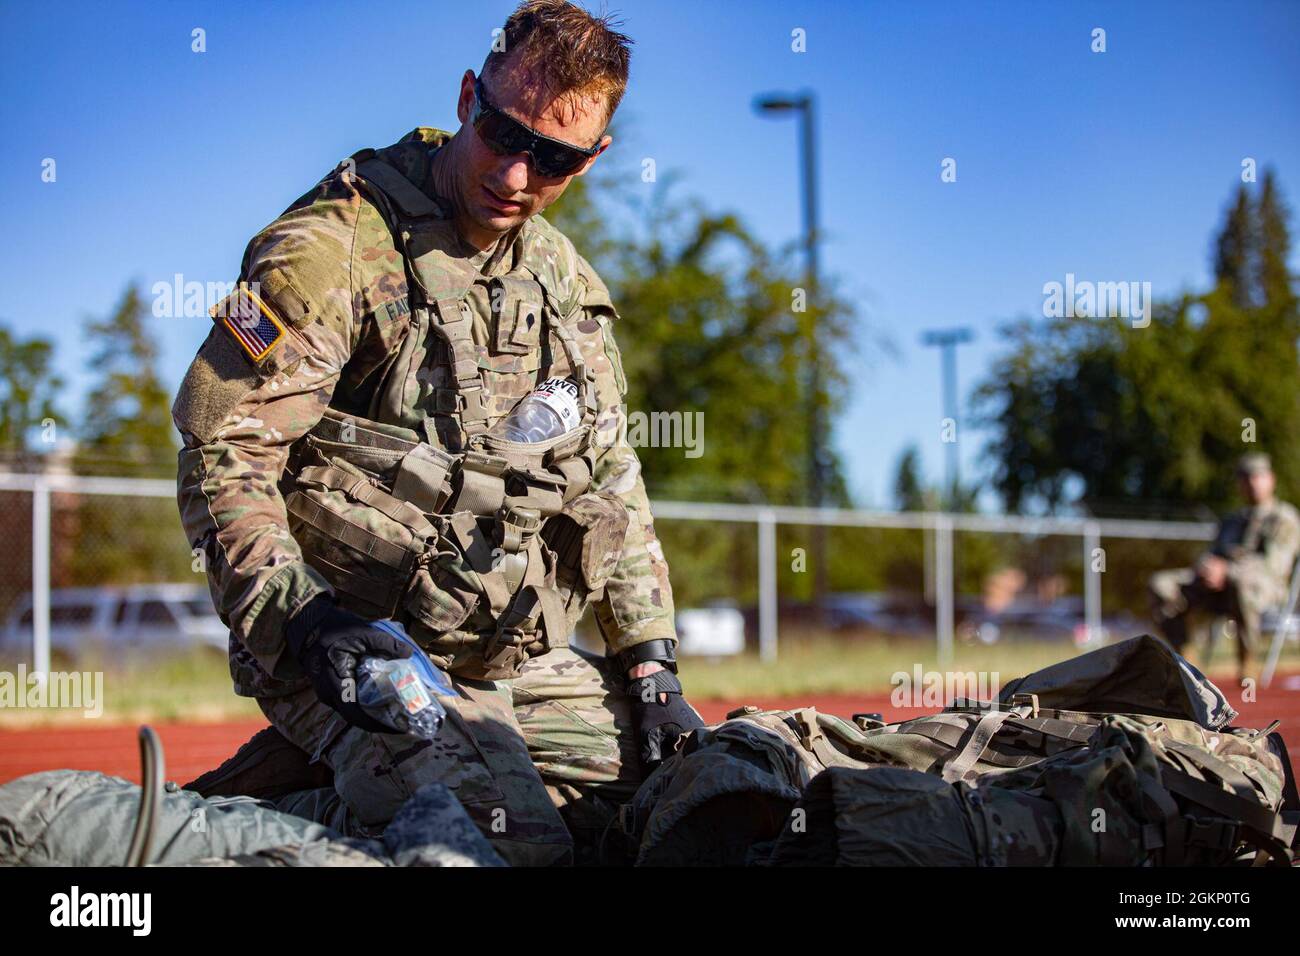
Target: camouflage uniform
1260, 544
331, 270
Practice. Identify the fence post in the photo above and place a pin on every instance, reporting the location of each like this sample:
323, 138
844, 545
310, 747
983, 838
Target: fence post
767, 604
41, 578
1091, 581
943, 587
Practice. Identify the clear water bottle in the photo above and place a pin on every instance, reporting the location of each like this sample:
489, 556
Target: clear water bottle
549, 411
403, 693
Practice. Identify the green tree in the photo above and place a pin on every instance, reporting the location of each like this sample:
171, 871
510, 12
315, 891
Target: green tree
28, 389
711, 324
909, 495
1096, 412
126, 427
126, 430
1148, 422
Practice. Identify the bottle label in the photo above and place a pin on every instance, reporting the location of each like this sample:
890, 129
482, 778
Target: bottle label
560, 395
411, 691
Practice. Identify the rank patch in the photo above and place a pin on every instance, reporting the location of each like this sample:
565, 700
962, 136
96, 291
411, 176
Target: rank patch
253, 325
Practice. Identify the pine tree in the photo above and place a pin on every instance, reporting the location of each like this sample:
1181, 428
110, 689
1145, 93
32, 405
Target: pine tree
28, 387
126, 430
1233, 250
1273, 241
126, 427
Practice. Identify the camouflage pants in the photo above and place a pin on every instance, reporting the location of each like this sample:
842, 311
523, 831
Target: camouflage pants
535, 761
1177, 593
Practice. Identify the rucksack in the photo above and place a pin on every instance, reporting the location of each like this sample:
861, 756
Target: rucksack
1008, 782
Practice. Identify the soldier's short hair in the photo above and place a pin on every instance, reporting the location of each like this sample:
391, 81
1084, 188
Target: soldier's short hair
566, 48
1254, 462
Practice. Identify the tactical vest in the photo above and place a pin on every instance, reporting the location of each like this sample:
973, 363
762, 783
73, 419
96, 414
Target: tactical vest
486, 550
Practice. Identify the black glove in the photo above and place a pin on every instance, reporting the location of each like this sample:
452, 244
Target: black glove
659, 725
329, 642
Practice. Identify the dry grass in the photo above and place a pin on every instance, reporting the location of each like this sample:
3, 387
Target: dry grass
194, 686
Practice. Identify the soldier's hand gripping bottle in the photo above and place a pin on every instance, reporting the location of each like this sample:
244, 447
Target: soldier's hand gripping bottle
403, 693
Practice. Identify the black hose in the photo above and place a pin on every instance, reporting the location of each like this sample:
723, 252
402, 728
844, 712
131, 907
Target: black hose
152, 773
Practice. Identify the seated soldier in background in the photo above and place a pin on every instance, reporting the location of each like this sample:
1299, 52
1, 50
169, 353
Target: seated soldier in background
1246, 570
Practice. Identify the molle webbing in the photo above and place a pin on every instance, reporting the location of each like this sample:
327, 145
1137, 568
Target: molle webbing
1029, 738
490, 480
454, 325
358, 489
493, 475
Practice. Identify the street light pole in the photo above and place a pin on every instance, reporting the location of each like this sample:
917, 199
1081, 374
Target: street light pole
948, 340
804, 106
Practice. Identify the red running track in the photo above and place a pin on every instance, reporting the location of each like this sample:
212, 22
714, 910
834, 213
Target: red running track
193, 748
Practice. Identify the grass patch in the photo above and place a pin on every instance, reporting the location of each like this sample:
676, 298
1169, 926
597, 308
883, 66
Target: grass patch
191, 686
864, 665
853, 666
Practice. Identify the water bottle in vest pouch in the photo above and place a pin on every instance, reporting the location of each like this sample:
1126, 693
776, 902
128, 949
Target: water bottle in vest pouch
551, 410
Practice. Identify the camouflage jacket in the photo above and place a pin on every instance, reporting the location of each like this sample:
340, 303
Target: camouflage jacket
1260, 544
330, 270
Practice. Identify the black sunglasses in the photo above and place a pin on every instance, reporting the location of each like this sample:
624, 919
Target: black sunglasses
506, 136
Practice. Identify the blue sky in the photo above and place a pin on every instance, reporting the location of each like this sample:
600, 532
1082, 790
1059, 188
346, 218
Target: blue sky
1113, 166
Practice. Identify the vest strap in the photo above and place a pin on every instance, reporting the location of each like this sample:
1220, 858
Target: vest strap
585, 378
408, 197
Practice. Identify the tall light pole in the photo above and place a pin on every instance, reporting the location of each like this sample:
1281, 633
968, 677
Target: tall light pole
948, 340
802, 104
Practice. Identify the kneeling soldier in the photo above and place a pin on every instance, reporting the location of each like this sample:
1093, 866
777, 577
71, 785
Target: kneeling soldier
339, 464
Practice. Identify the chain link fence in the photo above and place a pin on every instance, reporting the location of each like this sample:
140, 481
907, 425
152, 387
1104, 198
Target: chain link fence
92, 557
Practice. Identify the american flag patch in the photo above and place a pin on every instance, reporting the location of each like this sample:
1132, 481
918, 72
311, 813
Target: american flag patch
253, 325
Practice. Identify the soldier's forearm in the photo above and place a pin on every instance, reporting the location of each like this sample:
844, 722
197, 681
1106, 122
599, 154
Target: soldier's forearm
234, 515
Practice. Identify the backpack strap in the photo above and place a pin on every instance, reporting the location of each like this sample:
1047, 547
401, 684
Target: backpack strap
1259, 825
1166, 836
1290, 798
1231, 777
808, 731
961, 763
951, 735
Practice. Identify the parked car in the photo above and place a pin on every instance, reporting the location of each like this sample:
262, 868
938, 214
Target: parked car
139, 617
1063, 620
884, 613
715, 630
